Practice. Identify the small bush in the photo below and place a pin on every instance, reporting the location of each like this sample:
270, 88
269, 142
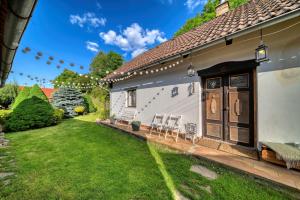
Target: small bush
90, 107
4, 114
58, 115
29, 114
79, 110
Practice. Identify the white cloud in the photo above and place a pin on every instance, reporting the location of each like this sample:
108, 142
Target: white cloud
133, 39
138, 52
192, 4
92, 46
89, 19
99, 6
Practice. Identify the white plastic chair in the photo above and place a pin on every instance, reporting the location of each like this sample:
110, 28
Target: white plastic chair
173, 124
191, 132
157, 123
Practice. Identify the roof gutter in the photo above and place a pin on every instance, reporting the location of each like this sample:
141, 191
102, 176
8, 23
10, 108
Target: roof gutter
264, 24
16, 21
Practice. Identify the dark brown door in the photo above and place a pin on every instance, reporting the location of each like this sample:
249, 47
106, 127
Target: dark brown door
228, 108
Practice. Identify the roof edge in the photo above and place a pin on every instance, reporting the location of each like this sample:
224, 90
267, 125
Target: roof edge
264, 24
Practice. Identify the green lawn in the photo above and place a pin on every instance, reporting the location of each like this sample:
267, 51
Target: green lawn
78, 159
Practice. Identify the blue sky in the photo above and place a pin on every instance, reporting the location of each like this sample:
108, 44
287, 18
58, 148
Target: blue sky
75, 30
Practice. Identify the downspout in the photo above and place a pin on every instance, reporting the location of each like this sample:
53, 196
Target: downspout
16, 21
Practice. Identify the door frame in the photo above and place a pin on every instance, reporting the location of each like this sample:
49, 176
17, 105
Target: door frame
227, 68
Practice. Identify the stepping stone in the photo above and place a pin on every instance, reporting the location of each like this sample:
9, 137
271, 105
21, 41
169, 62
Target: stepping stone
203, 171
6, 182
179, 196
206, 188
6, 174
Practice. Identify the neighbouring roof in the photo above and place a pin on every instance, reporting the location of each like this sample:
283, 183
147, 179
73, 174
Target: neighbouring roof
47, 91
247, 15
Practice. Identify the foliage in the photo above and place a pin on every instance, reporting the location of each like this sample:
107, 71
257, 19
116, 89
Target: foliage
207, 14
100, 97
105, 62
67, 99
64, 77
37, 91
79, 159
89, 104
29, 114
24, 94
79, 110
58, 115
8, 94
4, 114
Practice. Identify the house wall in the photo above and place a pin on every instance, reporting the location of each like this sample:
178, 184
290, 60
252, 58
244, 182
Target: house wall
278, 84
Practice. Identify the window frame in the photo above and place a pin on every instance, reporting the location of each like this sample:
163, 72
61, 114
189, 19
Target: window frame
129, 102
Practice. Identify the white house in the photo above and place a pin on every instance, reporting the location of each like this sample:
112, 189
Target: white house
232, 97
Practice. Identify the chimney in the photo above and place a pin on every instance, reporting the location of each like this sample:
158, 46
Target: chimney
222, 8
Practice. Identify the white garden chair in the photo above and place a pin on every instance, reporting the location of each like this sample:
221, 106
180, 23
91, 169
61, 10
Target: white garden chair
191, 132
157, 123
173, 124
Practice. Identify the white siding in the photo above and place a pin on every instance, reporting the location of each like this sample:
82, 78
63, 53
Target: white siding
278, 85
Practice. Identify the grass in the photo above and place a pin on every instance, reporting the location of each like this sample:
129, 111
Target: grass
78, 159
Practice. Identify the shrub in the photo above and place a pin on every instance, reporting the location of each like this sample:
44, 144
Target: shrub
100, 99
90, 107
58, 115
4, 114
24, 94
29, 114
79, 109
37, 91
67, 99
8, 94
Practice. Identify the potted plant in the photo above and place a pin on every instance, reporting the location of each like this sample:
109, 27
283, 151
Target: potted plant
136, 125
113, 119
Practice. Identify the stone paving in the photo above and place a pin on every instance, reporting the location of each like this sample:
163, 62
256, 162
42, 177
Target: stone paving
7, 162
203, 171
260, 169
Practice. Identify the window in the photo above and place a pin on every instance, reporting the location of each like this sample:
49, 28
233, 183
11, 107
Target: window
131, 98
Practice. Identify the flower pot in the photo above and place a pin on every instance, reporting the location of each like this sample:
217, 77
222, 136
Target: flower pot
135, 125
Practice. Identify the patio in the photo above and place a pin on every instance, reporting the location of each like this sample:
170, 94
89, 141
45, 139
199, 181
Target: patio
242, 162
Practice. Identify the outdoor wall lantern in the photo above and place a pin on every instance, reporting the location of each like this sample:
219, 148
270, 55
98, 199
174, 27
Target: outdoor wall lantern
261, 53
191, 70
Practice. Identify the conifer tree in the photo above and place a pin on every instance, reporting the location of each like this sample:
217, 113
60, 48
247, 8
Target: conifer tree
67, 99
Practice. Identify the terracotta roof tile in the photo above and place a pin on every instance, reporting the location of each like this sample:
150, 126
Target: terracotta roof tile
247, 15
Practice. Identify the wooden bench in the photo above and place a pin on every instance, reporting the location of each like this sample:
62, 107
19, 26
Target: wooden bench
128, 116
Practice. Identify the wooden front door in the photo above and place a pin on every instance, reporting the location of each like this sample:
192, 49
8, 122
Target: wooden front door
228, 107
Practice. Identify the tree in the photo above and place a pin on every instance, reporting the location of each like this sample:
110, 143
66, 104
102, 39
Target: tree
105, 62
8, 94
67, 99
65, 77
208, 13
37, 91
24, 94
